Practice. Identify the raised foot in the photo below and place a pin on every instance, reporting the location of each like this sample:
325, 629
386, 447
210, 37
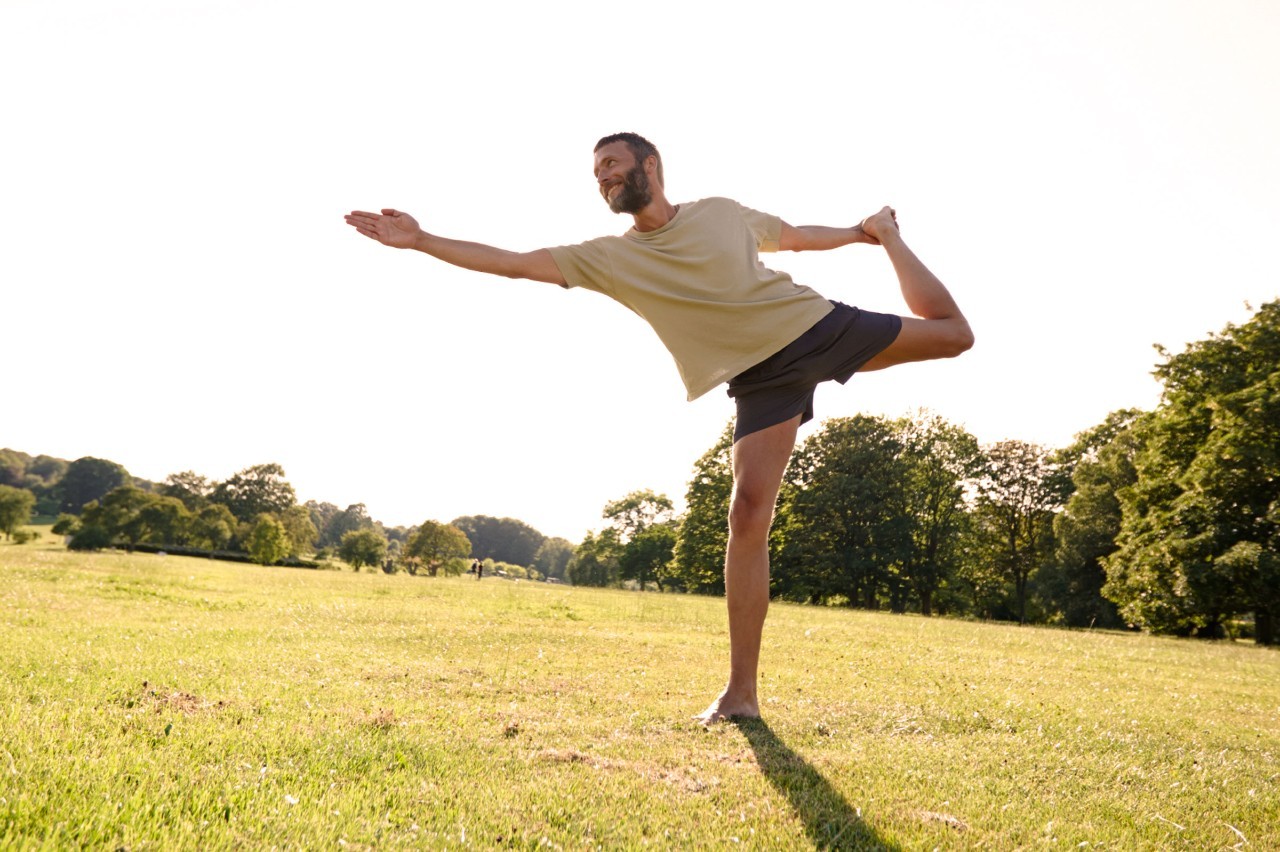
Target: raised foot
882, 224
728, 707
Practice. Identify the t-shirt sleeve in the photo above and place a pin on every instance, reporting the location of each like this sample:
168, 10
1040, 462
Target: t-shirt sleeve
766, 227
586, 265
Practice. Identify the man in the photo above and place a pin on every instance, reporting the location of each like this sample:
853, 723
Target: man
691, 270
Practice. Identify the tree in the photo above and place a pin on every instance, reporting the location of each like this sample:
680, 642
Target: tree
339, 523
302, 533
88, 479
362, 547
268, 542
13, 468
189, 487
254, 491
704, 530
941, 459
843, 530
163, 520
643, 527
116, 515
15, 509
648, 553
213, 527
67, 525
1100, 462
595, 560
500, 539
433, 544
552, 558
1017, 496
1201, 524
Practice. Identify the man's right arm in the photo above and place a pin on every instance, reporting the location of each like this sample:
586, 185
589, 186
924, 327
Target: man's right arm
400, 230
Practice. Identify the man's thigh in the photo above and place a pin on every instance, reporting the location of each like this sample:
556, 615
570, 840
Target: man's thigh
918, 340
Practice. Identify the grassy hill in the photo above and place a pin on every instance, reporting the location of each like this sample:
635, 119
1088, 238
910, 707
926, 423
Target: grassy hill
168, 702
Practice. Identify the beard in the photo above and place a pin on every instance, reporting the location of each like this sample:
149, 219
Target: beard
634, 195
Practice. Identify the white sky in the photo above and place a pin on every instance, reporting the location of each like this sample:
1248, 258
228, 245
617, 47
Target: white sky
178, 289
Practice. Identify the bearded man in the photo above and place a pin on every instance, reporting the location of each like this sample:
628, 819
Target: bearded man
692, 271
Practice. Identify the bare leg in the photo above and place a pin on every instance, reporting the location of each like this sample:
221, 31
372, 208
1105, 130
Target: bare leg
942, 331
759, 460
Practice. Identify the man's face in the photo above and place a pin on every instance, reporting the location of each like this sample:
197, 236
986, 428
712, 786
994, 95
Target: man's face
623, 182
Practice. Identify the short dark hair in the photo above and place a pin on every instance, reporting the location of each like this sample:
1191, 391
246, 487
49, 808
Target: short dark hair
640, 147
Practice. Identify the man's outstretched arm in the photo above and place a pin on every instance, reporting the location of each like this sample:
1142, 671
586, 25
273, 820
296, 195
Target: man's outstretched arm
400, 230
821, 237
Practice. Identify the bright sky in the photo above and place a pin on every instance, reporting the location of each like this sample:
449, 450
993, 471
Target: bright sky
178, 289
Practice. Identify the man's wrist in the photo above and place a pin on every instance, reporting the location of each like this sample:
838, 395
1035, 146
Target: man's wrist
421, 242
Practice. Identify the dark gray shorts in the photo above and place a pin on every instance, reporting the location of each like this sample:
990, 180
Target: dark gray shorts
782, 385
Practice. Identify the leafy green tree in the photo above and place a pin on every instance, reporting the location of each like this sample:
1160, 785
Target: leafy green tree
302, 533
645, 530
363, 547
117, 514
704, 529
321, 515
434, 544
647, 555
66, 525
13, 468
213, 527
637, 511
339, 523
254, 491
1018, 494
88, 479
162, 520
500, 539
1100, 462
1201, 525
552, 558
50, 470
15, 509
189, 487
268, 541
595, 560
941, 460
843, 530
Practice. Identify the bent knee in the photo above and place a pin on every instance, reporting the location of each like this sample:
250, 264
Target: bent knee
960, 340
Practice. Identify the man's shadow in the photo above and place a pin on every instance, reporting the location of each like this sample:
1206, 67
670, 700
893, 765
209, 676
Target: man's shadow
828, 818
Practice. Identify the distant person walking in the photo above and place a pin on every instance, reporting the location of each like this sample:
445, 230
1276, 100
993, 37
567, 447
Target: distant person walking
478, 567
692, 271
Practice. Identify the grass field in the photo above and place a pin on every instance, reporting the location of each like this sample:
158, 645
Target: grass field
158, 702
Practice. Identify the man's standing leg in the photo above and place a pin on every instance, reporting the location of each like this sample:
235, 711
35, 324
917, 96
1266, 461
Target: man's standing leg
759, 460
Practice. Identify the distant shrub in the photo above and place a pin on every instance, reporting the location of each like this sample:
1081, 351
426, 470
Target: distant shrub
66, 525
24, 536
90, 538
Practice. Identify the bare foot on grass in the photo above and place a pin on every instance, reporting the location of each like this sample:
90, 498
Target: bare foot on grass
729, 706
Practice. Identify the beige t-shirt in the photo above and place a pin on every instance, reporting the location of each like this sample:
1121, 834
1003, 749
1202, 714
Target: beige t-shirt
699, 283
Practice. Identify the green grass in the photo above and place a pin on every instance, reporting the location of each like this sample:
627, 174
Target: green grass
165, 702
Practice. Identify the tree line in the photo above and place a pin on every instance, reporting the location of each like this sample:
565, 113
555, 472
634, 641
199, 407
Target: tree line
1167, 520
255, 514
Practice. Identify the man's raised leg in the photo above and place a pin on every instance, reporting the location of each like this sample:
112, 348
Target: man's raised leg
759, 460
942, 331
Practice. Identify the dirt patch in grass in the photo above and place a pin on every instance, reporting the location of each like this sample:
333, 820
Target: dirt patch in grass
163, 698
